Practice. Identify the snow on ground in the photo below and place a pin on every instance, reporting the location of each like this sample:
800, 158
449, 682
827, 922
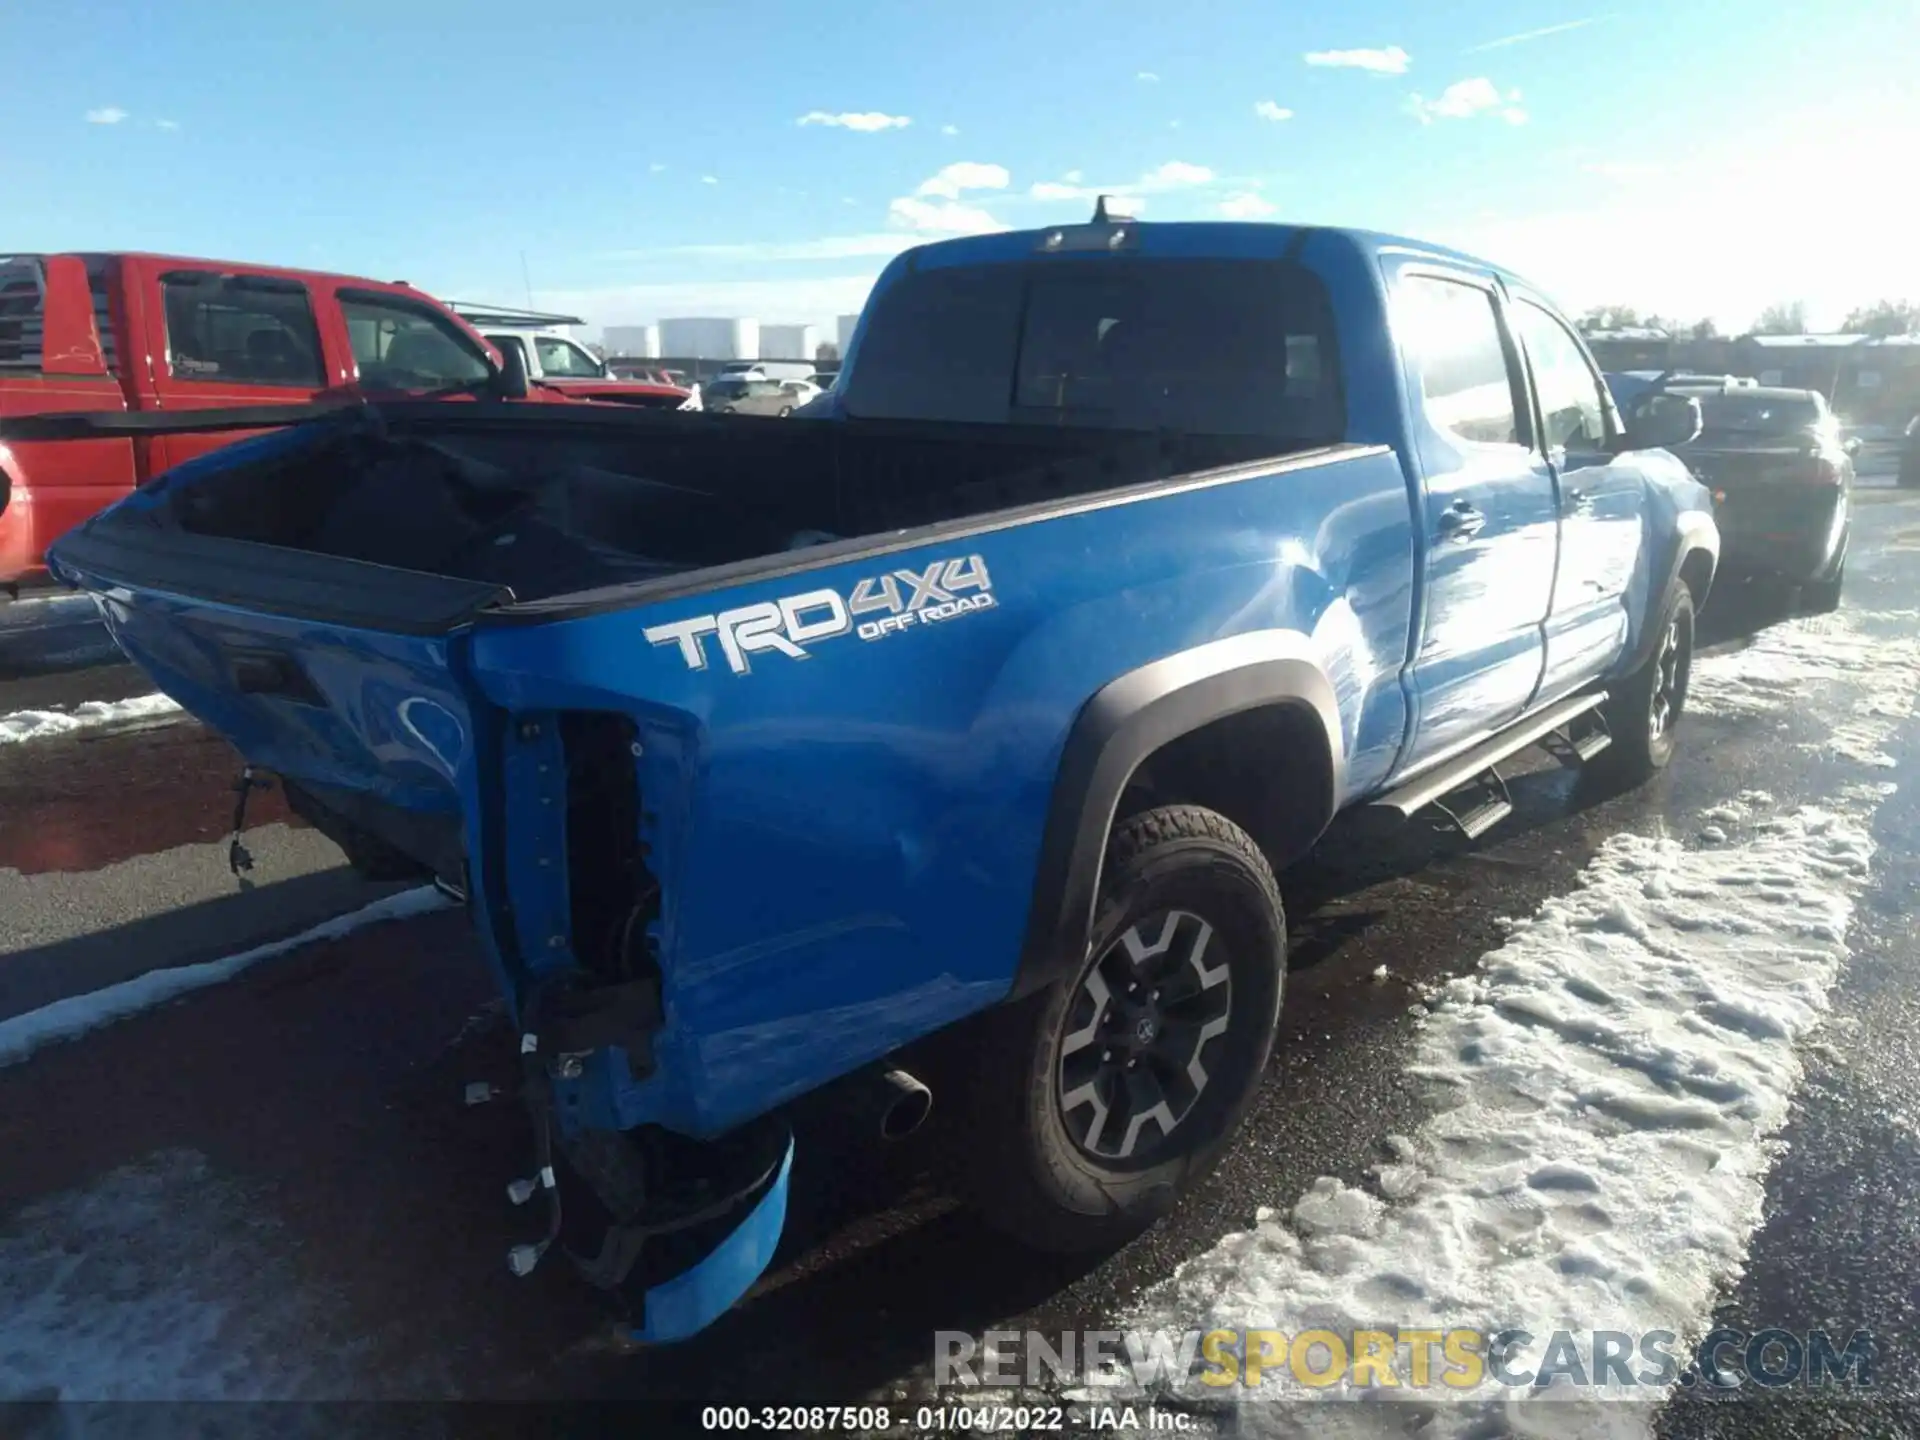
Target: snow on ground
164, 1280
75, 1016
24, 725
1606, 1085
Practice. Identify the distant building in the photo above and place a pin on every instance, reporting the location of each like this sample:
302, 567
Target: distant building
709, 338
1864, 377
632, 342
844, 331
786, 342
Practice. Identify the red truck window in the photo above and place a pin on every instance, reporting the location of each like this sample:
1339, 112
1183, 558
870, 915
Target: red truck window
399, 345
21, 322
240, 329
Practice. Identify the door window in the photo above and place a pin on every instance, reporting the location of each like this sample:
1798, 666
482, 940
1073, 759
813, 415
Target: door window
565, 359
241, 329
400, 345
1572, 405
1451, 334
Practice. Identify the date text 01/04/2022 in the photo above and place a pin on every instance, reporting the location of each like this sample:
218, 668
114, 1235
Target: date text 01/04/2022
942, 1419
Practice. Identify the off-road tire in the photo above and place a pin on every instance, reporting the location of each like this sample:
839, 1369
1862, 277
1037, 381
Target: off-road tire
1639, 751
1025, 1171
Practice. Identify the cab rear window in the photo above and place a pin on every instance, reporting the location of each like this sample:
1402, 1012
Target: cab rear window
1206, 346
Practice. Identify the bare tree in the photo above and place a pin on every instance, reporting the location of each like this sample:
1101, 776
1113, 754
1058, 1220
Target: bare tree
1609, 317
1883, 318
825, 353
1786, 319
1704, 329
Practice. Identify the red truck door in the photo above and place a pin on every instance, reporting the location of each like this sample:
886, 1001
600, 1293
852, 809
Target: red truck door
58, 352
229, 336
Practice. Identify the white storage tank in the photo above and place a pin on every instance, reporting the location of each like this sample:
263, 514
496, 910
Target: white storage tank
633, 342
710, 338
786, 342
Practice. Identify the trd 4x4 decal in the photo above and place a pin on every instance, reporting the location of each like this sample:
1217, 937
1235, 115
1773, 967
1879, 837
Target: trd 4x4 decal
878, 606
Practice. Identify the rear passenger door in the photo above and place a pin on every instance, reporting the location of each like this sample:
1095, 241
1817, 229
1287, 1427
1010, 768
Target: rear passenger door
1600, 499
231, 339
1489, 530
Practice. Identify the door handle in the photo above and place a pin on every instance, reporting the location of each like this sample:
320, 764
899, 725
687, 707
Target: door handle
1460, 521
1578, 500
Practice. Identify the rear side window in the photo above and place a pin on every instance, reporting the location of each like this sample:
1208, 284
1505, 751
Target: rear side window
1572, 397
22, 302
241, 329
100, 283
1206, 346
399, 345
1451, 335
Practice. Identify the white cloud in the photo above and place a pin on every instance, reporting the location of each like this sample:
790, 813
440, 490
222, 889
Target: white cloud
709, 179
1465, 99
1054, 190
1390, 61
1245, 205
1622, 169
1175, 175
166, 124
1540, 34
949, 129
106, 115
1148, 76
1617, 245
1074, 177
865, 121
658, 167
1268, 110
965, 175
944, 217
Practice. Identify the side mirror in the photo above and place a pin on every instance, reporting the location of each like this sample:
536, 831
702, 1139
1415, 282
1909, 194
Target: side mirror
1662, 421
1853, 445
510, 381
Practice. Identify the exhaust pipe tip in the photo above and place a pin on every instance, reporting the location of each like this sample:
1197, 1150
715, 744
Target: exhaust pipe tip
906, 1105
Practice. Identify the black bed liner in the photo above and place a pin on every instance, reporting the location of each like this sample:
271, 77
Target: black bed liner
597, 509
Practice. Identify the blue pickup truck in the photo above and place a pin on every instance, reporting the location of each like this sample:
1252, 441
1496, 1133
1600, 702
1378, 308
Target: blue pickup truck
1122, 559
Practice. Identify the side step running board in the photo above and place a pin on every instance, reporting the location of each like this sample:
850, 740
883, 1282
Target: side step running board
1443, 780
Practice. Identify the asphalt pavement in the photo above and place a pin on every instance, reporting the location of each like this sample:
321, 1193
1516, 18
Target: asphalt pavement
271, 1189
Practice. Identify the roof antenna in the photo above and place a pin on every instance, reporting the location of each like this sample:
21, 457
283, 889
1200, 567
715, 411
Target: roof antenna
1100, 213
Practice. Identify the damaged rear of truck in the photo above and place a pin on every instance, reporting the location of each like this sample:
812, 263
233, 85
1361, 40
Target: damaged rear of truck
760, 750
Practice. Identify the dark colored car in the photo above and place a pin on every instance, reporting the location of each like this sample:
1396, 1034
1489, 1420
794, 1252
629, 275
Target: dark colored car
1782, 484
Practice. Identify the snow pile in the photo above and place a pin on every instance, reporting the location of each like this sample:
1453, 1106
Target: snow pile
39, 724
1606, 1085
1609, 1077
1781, 665
75, 1016
161, 1281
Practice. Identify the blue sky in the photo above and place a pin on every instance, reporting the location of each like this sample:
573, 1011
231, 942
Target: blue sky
1699, 157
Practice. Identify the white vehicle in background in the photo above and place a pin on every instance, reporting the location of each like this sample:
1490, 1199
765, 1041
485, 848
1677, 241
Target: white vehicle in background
552, 358
777, 370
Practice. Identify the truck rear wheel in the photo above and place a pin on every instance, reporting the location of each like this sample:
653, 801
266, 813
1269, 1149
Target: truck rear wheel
1644, 709
1102, 1098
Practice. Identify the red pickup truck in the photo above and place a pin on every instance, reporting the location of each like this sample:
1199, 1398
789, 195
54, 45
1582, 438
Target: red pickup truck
149, 332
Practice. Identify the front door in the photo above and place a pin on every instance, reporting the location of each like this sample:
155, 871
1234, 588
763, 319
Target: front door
1600, 502
1490, 527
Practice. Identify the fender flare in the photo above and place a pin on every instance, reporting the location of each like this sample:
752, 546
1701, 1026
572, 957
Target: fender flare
1126, 721
1695, 534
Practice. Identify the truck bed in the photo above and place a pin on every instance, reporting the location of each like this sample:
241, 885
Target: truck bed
522, 507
